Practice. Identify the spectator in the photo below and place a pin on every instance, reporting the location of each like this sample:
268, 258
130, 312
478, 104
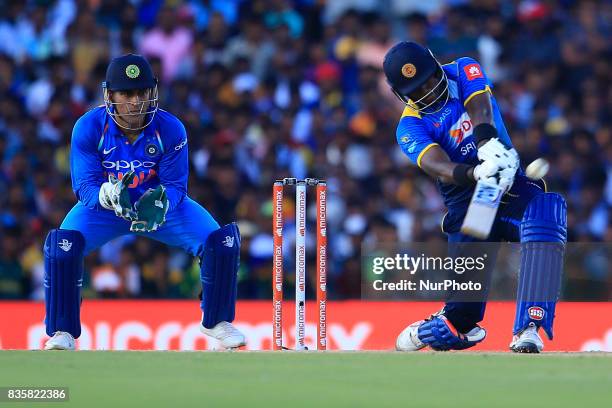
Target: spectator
13, 280
169, 41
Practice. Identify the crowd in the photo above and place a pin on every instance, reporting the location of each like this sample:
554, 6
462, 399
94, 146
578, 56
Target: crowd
277, 88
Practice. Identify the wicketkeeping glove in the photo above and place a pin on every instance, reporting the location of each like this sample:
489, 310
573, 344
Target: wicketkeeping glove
151, 210
114, 196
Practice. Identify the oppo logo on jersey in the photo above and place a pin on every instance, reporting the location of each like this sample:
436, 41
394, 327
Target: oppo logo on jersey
120, 167
127, 165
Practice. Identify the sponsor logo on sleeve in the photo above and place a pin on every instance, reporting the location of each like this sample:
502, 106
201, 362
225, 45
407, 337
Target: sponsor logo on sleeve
473, 71
180, 145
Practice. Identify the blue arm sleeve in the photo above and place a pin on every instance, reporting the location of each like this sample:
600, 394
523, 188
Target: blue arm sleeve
413, 137
472, 79
85, 165
174, 167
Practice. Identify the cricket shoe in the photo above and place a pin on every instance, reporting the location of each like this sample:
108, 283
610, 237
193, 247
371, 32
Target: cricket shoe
408, 339
228, 335
527, 341
60, 341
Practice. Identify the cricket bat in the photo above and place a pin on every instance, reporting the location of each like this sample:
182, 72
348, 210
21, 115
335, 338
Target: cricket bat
482, 210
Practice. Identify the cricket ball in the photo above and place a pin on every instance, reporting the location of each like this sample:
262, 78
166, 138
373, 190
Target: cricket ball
537, 169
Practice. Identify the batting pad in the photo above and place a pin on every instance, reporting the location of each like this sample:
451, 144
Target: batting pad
63, 281
543, 238
218, 274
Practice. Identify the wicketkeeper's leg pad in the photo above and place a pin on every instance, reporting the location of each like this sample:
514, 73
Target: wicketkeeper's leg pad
63, 281
219, 270
439, 334
543, 237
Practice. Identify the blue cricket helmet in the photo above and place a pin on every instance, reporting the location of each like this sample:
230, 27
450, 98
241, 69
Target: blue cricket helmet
128, 72
408, 66
131, 72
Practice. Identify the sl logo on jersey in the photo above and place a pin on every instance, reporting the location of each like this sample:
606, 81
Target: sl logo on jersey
473, 71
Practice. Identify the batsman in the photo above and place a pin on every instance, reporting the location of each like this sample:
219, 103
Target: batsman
452, 128
129, 166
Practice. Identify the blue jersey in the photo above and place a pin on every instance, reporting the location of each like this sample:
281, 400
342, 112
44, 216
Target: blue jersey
450, 128
158, 156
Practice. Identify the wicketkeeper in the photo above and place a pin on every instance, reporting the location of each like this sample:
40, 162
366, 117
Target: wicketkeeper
130, 164
452, 128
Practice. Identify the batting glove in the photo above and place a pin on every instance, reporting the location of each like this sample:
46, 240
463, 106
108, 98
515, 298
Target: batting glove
506, 179
497, 153
486, 171
489, 172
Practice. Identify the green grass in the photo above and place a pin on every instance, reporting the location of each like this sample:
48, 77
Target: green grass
310, 379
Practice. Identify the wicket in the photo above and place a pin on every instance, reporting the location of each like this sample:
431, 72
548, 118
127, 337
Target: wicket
300, 261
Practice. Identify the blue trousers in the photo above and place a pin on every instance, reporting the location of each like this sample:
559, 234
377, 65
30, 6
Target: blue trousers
186, 227
465, 315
